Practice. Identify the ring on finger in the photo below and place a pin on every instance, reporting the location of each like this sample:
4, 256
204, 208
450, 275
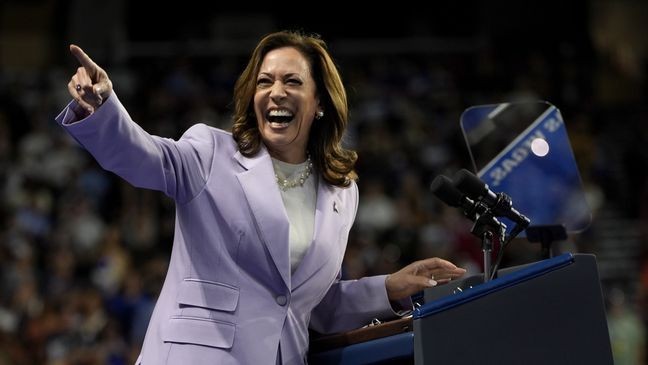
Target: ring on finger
78, 87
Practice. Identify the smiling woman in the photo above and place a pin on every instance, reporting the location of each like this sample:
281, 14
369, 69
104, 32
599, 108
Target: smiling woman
285, 104
310, 69
263, 214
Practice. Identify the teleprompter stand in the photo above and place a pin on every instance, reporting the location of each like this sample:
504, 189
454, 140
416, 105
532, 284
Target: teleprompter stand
546, 235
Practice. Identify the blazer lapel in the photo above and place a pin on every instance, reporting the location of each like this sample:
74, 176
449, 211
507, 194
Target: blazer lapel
328, 209
267, 207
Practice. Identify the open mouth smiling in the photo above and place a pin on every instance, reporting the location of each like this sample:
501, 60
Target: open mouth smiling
279, 117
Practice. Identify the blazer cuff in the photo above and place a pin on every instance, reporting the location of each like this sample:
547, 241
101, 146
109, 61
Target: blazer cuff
71, 114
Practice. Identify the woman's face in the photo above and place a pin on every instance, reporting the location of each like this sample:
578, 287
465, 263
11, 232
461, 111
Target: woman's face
285, 103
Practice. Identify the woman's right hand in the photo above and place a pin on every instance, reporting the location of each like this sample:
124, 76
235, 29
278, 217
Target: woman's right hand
90, 85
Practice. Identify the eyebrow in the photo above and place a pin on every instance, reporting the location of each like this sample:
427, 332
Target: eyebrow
291, 74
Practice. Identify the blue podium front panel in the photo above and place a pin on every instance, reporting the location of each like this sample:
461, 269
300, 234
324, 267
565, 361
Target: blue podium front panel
550, 312
467, 294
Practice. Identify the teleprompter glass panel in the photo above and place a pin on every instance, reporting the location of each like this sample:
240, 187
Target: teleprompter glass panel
522, 149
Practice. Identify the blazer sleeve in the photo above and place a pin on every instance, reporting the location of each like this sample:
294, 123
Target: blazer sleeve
178, 168
351, 304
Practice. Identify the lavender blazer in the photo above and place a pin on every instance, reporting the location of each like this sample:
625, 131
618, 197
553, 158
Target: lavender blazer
229, 296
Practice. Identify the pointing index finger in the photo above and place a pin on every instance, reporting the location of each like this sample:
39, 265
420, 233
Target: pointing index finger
83, 59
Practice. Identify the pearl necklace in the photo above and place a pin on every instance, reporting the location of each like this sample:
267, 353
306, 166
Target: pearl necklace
302, 176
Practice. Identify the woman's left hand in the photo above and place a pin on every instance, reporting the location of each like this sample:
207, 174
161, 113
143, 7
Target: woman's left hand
420, 275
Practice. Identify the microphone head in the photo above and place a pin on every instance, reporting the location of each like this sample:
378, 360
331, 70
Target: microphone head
469, 184
443, 189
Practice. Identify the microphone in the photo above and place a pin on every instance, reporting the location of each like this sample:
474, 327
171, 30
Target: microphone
499, 203
443, 189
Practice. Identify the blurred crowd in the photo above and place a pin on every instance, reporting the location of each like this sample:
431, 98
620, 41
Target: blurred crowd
83, 254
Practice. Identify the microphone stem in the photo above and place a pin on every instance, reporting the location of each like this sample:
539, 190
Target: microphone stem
487, 248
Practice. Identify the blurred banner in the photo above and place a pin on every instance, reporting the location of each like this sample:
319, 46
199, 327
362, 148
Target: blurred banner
522, 149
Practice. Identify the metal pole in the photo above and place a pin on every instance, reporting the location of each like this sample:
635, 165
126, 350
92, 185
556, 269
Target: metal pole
487, 248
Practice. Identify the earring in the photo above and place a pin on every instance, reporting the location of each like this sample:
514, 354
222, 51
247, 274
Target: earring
319, 115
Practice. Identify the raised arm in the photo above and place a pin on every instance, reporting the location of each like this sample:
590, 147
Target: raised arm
98, 121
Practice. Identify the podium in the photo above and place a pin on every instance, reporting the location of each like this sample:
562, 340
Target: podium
548, 312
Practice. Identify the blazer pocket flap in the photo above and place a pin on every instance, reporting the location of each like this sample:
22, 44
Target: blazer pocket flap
199, 331
210, 295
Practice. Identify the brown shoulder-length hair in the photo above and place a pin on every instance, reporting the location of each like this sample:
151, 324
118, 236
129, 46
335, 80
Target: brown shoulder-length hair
325, 140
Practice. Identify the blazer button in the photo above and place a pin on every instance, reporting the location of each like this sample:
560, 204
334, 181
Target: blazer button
281, 300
